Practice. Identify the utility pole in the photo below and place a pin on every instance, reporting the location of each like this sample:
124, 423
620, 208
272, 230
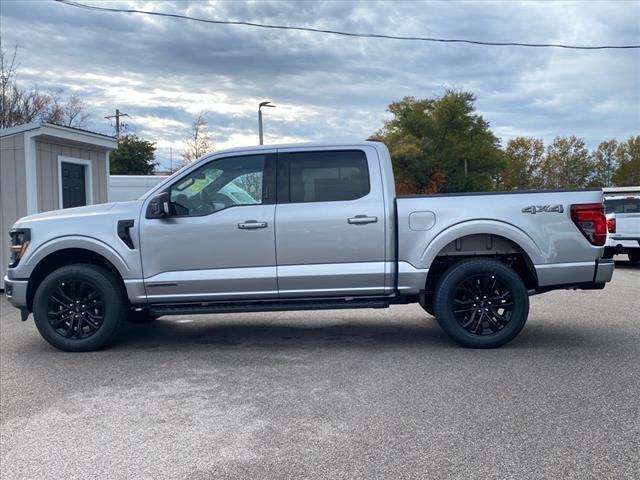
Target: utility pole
260, 105
117, 117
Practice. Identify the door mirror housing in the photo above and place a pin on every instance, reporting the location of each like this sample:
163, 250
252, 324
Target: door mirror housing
159, 206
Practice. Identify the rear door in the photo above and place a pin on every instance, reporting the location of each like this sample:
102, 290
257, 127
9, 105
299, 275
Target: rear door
330, 223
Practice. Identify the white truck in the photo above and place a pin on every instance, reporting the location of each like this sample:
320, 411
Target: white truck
623, 222
297, 227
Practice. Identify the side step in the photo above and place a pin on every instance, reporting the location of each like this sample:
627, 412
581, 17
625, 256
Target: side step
265, 306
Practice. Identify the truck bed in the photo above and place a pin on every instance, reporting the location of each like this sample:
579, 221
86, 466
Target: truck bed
537, 222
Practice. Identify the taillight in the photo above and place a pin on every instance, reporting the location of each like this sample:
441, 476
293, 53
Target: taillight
611, 225
590, 220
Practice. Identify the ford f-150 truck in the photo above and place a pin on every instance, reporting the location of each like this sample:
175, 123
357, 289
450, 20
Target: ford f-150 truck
298, 227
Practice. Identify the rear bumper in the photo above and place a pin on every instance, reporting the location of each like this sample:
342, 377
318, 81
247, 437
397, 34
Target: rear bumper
604, 270
582, 275
621, 244
16, 292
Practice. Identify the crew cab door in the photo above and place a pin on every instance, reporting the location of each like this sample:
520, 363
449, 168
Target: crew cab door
218, 241
330, 223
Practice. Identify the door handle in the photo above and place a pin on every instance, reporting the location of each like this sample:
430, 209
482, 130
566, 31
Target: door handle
252, 225
361, 219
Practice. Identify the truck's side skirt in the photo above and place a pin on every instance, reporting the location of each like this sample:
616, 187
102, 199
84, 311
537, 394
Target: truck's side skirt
268, 306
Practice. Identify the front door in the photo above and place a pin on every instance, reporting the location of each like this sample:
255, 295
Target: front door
73, 185
330, 223
218, 244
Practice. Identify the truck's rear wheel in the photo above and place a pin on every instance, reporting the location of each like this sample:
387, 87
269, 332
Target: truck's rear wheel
481, 303
79, 308
634, 256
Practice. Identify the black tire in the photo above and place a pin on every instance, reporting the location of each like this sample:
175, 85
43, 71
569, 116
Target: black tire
79, 308
634, 256
142, 316
487, 287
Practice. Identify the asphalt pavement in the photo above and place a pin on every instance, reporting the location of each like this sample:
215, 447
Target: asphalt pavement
334, 394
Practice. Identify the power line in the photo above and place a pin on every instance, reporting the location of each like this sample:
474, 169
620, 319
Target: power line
345, 34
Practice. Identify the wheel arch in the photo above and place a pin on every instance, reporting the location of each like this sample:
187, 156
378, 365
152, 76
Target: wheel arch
502, 242
51, 259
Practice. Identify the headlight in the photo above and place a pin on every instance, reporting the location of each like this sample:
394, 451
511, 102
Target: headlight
20, 238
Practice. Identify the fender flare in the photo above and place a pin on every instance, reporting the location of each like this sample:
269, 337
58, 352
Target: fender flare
481, 226
80, 242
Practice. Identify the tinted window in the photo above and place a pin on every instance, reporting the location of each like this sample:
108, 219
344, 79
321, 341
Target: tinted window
219, 184
622, 205
327, 176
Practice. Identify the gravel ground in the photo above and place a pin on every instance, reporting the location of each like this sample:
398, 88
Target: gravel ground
337, 394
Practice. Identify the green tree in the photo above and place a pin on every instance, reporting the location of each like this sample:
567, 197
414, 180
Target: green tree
567, 164
523, 159
441, 145
628, 155
604, 162
134, 156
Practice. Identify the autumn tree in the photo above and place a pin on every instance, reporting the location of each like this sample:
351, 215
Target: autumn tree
628, 157
199, 140
441, 145
134, 156
604, 161
567, 164
523, 158
19, 105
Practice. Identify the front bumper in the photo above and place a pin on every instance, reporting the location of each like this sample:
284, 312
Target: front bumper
16, 292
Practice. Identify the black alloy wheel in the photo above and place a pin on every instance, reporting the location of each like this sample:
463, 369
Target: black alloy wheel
80, 307
481, 303
76, 309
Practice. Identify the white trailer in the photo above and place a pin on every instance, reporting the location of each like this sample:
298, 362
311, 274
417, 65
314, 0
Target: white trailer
131, 187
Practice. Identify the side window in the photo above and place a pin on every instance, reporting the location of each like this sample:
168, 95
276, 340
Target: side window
328, 176
219, 184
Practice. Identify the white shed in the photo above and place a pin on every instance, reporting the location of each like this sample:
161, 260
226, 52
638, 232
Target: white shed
46, 167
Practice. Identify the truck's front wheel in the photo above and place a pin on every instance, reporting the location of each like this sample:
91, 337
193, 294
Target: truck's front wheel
481, 303
79, 308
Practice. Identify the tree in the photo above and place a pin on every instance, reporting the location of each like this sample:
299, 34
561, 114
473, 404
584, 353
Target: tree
603, 163
134, 156
567, 164
440, 144
19, 106
628, 172
199, 141
523, 158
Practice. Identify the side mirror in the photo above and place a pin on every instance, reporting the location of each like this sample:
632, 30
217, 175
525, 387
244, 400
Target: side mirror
159, 206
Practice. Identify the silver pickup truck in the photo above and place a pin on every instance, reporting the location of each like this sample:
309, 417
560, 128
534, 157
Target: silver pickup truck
303, 227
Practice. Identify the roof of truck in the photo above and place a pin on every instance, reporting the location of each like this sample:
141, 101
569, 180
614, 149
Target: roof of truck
355, 143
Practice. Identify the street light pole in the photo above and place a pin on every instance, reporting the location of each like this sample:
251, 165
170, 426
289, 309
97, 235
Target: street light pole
260, 105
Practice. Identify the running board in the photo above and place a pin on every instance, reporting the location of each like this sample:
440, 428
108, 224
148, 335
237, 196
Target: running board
264, 306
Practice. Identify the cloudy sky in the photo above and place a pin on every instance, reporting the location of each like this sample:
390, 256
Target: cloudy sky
163, 71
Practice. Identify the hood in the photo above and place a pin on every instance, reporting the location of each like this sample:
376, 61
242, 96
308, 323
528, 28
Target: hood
82, 213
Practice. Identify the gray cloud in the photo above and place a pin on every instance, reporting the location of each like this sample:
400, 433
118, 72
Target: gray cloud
162, 71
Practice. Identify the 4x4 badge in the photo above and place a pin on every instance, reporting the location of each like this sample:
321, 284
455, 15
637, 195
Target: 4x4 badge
543, 209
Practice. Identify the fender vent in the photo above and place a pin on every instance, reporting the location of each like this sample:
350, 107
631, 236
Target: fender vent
123, 232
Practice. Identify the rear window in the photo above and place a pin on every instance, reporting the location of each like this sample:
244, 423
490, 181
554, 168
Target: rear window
329, 176
622, 205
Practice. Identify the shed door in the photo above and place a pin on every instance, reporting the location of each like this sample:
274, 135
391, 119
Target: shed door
73, 185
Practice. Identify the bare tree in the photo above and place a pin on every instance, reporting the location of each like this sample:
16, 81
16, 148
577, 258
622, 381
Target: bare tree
199, 140
19, 106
